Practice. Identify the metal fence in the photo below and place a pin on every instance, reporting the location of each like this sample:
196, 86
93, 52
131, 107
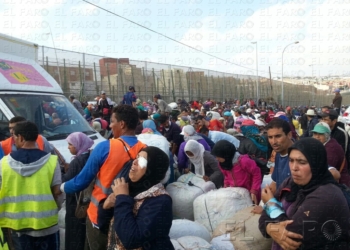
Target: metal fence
85, 75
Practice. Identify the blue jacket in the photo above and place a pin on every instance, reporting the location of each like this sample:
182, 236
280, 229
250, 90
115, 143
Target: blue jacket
129, 98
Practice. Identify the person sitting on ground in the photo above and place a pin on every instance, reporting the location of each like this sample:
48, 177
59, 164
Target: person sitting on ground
98, 123
203, 163
142, 205
239, 170
308, 201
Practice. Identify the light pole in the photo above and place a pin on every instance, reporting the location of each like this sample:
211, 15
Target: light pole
257, 75
282, 94
53, 42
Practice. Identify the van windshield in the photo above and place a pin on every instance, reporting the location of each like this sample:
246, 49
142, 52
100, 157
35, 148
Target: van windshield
54, 115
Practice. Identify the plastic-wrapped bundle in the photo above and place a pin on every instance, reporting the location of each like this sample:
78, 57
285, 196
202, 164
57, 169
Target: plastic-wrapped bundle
184, 193
243, 231
180, 228
222, 242
193, 242
212, 208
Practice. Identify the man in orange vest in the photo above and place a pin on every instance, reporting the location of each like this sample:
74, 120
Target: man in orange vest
9, 146
103, 165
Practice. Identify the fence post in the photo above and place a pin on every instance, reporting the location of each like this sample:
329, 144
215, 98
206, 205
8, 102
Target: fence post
96, 85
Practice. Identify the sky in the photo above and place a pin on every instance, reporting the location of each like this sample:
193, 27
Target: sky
223, 29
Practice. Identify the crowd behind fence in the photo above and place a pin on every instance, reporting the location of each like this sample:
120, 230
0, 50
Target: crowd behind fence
85, 75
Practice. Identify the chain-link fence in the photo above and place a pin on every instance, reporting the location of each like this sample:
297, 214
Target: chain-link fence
86, 75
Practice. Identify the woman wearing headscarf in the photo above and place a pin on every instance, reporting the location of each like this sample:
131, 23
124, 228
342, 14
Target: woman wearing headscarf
203, 163
189, 133
142, 208
335, 153
79, 146
254, 144
239, 170
229, 121
308, 210
150, 124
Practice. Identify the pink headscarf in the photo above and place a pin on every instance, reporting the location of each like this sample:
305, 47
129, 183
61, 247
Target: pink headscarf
80, 141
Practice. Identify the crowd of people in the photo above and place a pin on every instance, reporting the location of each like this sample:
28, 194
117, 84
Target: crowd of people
122, 180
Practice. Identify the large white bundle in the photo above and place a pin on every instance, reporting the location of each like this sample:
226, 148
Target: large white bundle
176, 245
183, 192
62, 216
243, 231
215, 115
216, 206
222, 242
193, 242
160, 142
180, 228
197, 181
62, 238
173, 105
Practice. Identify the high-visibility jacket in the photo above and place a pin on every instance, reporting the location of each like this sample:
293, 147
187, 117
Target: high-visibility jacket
3, 242
115, 161
7, 144
27, 202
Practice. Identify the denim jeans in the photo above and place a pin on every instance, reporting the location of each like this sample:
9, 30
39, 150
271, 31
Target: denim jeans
48, 242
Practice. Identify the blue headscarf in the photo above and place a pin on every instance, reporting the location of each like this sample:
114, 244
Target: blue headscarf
252, 132
150, 124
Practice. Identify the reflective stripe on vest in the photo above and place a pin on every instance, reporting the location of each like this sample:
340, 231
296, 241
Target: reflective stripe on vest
116, 159
8, 143
27, 202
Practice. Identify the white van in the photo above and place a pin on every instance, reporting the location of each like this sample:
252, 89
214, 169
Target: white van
27, 90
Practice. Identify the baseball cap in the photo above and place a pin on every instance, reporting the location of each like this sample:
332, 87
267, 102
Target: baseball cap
336, 90
188, 130
227, 113
132, 88
71, 96
331, 112
310, 112
102, 92
321, 128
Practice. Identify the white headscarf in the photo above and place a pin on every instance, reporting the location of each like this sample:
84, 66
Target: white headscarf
197, 160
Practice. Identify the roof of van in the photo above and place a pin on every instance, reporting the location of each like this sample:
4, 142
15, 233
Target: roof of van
24, 74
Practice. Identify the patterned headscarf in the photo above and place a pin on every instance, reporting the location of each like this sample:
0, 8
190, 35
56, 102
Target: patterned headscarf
80, 141
252, 132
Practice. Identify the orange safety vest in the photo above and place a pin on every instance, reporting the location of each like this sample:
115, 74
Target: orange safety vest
108, 171
7, 144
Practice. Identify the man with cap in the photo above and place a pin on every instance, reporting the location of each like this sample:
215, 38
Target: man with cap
338, 131
76, 104
337, 100
105, 106
130, 98
312, 121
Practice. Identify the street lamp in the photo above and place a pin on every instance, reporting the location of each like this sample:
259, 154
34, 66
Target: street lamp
282, 94
257, 76
53, 42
